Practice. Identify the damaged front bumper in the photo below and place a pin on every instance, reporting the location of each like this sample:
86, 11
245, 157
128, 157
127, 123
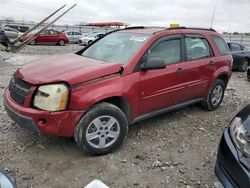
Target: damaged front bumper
61, 123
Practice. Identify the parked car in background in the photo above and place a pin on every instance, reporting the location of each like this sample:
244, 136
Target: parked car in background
20, 28
89, 38
241, 56
233, 159
73, 36
11, 33
127, 76
50, 36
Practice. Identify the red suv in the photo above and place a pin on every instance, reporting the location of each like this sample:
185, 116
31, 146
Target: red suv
122, 78
49, 36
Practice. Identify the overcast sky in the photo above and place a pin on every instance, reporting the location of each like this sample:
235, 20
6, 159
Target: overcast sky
230, 15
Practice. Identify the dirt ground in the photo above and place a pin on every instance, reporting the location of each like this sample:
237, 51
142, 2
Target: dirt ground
177, 149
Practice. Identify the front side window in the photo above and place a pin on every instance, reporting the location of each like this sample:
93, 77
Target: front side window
45, 32
169, 51
221, 45
197, 48
116, 47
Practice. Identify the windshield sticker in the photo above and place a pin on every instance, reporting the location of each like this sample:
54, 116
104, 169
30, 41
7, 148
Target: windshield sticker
138, 38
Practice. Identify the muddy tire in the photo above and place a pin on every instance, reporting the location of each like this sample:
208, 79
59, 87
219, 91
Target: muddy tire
215, 95
101, 130
243, 65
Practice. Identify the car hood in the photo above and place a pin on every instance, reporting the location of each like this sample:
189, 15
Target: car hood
70, 68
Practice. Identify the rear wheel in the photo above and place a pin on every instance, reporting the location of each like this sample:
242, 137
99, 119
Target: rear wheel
215, 95
101, 130
61, 42
243, 65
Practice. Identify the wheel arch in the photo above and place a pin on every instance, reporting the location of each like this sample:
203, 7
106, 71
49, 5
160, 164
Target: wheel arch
224, 78
121, 102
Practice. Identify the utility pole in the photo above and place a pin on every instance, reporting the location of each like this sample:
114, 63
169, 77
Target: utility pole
213, 18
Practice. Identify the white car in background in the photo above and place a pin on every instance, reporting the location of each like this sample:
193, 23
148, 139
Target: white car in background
11, 33
89, 38
73, 36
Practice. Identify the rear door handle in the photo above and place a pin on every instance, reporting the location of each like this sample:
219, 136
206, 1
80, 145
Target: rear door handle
180, 70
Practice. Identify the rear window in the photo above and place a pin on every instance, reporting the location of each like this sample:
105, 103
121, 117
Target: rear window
197, 48
221, 45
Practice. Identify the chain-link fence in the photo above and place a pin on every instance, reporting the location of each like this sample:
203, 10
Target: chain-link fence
242, 38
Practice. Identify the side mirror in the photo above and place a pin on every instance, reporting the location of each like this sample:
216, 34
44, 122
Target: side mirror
153, 64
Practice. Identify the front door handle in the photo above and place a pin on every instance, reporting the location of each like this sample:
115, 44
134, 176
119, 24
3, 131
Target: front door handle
180, 70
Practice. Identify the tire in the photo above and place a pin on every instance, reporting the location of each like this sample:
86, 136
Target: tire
32, 42
215, 95
243, 65
61, 42
101, 130
90, 42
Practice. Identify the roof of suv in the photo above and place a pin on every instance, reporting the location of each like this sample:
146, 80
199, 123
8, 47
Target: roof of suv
152, 30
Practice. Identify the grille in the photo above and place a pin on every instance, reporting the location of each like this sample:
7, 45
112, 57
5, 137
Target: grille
18, 89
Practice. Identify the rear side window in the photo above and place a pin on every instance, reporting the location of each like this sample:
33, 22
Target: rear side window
169, 51
221, 45
197, 48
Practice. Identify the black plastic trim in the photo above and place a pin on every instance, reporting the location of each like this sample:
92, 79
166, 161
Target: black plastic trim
164, 110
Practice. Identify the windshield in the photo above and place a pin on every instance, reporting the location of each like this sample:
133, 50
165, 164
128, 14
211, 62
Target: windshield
116, 47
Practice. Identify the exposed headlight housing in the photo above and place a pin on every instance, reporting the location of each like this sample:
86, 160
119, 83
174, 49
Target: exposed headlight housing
238, 134
52, 97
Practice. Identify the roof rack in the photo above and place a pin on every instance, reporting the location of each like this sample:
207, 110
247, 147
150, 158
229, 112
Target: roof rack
182, 27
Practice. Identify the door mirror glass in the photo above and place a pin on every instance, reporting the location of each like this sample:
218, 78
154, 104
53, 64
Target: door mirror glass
153, 63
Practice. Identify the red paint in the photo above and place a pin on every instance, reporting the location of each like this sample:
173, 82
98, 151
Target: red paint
92, 81
50, 37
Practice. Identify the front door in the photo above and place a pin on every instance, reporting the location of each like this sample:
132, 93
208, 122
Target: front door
162, 87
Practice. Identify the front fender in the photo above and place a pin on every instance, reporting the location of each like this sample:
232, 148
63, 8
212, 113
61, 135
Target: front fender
87, 95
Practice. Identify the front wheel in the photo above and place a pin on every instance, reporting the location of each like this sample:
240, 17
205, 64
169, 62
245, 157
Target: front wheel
215, 95
101, 130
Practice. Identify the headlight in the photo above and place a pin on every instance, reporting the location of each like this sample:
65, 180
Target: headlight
238, 133
52, 97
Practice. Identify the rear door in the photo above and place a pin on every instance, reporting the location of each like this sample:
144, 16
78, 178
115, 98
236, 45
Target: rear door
163, 87
198, 67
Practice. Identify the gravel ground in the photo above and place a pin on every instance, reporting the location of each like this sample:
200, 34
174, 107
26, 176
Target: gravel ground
177, 149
